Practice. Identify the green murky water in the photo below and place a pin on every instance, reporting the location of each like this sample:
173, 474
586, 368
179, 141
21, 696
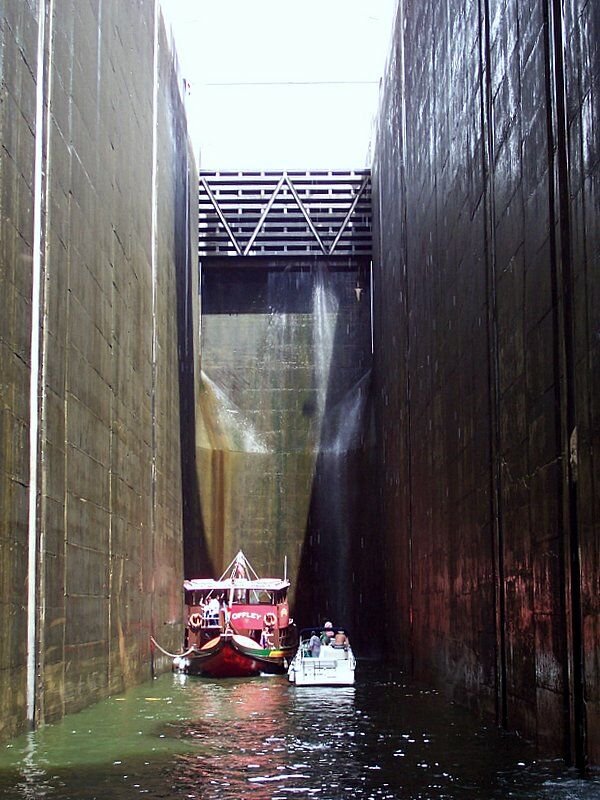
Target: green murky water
186, 737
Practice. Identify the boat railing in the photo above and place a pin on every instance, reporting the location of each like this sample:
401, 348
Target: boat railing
202, 620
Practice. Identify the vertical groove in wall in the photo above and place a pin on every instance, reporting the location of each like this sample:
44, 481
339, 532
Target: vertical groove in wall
375, 336
35, 364
562, 288
111, 447
487, 132
195, 555
154, 257
406, 310
43, 483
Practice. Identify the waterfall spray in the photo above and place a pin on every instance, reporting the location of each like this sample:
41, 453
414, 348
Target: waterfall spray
325, 311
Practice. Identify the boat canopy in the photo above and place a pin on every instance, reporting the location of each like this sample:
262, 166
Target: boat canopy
210, 585
239, 575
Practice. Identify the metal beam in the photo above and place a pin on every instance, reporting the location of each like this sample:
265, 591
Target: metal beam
305, 213
363, 186
264, 216
220, 214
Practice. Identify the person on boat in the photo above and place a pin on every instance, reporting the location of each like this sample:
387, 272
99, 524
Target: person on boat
197, 619
224, 615
266, 641
327, 635
212, 609
314, 645
341, 640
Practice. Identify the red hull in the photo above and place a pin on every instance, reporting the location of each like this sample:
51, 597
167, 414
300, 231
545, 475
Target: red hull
227, 662
226, 658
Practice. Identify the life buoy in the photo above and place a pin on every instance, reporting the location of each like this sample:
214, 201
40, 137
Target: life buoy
195, 621
270, 620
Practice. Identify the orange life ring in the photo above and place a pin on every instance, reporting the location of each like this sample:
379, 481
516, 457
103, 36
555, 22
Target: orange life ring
270, 620
195, 621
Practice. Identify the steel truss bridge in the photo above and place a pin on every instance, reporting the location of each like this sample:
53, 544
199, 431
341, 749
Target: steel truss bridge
285, 214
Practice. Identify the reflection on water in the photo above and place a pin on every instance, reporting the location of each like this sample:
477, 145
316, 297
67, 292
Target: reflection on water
187, 737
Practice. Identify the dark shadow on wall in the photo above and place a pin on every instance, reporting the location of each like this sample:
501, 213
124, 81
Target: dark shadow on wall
196, 560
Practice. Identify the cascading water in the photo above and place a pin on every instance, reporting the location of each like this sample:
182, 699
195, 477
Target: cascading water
325, 311
344, 424
223, 425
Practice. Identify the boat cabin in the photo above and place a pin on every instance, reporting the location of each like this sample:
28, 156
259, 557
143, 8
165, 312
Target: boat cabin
257, 608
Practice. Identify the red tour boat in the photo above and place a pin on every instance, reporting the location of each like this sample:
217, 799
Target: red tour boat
237, 626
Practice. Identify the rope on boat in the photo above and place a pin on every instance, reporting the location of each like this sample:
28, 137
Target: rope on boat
171, 655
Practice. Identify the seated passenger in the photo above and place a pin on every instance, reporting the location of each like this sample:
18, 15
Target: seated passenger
314, 645
327, 635
341, 640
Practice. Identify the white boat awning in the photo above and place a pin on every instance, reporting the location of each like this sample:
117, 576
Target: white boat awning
211, 585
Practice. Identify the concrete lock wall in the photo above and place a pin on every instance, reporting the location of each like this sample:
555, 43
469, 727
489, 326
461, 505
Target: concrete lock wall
95, 172
487, 355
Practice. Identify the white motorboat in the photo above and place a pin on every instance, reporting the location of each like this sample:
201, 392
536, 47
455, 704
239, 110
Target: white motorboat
330, 665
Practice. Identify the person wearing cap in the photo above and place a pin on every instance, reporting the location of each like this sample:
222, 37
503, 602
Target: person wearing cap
327, 635
340, 639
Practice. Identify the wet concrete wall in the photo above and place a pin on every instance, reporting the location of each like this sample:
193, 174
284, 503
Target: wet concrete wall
94, 177
486, 358
282, 427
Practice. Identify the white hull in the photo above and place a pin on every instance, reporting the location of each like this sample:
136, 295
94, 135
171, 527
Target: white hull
333, 667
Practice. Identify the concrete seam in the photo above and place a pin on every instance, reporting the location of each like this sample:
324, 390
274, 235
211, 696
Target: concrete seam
562, 280
34, 400
43, 375
495, 479
153, 259
407, 349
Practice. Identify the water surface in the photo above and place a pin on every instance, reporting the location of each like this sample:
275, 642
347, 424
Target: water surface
188, 737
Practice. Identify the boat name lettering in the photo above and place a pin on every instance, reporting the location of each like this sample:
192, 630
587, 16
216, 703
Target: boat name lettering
245, 615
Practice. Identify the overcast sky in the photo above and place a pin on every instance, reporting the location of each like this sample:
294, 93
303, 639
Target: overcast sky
281, 83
